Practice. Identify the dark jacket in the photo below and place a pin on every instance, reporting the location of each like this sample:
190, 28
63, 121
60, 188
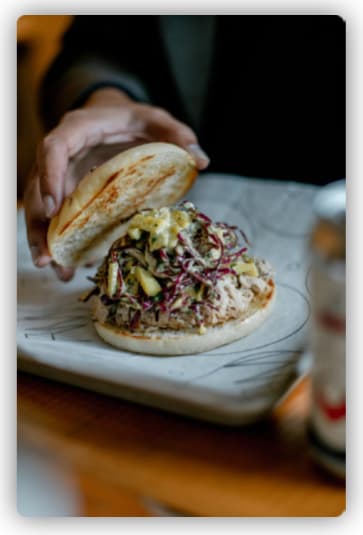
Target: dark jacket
276, 96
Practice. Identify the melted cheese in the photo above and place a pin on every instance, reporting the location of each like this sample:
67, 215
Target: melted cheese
163, 226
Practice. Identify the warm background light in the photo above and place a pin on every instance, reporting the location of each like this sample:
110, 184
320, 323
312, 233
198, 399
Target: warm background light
38, 40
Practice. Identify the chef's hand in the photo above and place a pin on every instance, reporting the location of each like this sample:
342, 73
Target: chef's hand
108, 123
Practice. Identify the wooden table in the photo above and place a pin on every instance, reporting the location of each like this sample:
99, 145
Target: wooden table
130, 460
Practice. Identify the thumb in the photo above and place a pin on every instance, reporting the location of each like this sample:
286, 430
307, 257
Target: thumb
162, 126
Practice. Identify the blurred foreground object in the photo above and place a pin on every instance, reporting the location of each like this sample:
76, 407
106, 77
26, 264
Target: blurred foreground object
44, 488
327, 420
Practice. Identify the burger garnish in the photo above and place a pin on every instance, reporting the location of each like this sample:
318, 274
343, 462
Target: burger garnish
177, 269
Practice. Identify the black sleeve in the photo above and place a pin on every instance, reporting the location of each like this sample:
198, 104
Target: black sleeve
96, 52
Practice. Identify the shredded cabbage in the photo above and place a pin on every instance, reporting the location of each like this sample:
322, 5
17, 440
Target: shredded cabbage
187, 274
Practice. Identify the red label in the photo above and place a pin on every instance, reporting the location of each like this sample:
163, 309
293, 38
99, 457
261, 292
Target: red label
332, 412
331, 322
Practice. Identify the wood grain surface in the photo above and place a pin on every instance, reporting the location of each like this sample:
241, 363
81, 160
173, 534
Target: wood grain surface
130, 460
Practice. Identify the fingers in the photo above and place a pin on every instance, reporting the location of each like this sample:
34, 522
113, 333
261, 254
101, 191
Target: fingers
52, 160
36, 222
54, 153
201, 158
37, 226
162, 126
78, 131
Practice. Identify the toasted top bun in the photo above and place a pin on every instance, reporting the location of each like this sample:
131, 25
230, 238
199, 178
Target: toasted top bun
168, 342
94, 215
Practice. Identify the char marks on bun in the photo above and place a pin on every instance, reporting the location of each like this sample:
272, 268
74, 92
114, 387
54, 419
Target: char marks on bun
94, 215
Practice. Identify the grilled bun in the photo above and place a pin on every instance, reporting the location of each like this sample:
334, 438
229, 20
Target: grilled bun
94, 215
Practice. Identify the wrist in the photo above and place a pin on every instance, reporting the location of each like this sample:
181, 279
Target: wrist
108, 96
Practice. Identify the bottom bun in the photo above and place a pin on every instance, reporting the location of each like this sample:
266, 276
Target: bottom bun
168, 342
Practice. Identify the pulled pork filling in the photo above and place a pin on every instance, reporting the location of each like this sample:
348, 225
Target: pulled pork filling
176, 269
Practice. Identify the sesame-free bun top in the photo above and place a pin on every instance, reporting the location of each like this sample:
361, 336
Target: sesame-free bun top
95, 214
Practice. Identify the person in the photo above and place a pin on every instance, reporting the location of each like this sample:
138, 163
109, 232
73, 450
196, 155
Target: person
263, 95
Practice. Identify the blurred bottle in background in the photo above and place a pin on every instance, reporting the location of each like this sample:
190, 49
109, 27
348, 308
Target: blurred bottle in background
45, 487
328, 404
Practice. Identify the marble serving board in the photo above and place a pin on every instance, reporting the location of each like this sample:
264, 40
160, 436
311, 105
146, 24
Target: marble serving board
234, 384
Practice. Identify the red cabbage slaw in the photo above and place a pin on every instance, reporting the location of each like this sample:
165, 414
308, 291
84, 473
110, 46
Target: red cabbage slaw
188, 273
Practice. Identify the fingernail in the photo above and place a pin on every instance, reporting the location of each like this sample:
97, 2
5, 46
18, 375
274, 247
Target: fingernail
197, 151
34, 249
49, 205
63, 273
39, 260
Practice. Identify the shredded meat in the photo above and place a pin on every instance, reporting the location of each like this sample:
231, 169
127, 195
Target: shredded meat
232, 303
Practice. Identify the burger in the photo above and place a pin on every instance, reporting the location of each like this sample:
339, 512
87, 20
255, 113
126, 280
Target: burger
172, 281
